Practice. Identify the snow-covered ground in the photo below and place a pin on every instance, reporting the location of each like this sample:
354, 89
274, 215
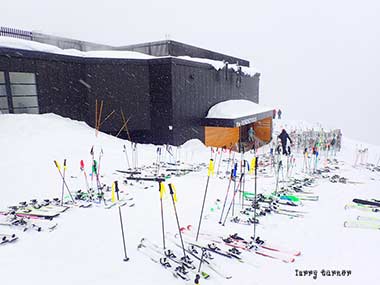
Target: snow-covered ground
86, 247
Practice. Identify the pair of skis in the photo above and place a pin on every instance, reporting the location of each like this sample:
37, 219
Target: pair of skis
256, 246
182, 268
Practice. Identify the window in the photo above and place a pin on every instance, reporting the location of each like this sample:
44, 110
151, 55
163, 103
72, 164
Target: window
4, 108
18, 93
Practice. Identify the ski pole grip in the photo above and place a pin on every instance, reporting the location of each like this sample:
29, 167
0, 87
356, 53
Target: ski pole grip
171, 189
116, 187
57, 165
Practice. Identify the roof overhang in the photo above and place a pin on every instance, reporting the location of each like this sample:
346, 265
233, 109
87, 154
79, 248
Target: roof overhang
236, 122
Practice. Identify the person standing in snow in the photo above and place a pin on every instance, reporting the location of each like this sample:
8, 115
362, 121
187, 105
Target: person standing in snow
279, 114
251, 133
284, 137
333, 145
274, 113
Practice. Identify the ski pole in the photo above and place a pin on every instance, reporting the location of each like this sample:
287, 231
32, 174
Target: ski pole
233, 197
225, 199
220, 159
278, 175
126, 156
235, 191
255, 200
85, 175
158, 160
162, 190
246, 164
92, 168
63, 179
198, 276
210, 171
242, 165
229, 160
100, 157
115, 185
174, 199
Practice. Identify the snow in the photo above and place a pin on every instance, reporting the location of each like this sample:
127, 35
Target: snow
218, 65
41, 47
233, 109
86, 248
22, 44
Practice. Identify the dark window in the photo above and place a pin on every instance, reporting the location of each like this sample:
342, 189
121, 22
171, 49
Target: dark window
24, 92
4, 108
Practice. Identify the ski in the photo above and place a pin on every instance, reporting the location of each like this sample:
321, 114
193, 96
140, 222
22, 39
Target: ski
120, 203
4, 238
362, 224
363, 208
240, 243
213, 266
215, 246
272, 247
168, 253
178, 272
129, 172
186, 261
371, 219
366, 202
247, 222
287, 213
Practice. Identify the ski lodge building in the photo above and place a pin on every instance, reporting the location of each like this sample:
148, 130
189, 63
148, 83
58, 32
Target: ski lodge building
162, 92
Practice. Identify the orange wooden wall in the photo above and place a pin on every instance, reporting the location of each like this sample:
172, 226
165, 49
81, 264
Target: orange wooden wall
263, 129
220, 137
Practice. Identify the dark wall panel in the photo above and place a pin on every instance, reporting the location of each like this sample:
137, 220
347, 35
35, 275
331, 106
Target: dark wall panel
59, 90
123, 86
197, 88
161, 101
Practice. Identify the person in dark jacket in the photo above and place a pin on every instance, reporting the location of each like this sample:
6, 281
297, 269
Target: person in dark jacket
279, 113
284, 137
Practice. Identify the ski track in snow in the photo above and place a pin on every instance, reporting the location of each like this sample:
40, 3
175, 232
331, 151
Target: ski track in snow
86, 247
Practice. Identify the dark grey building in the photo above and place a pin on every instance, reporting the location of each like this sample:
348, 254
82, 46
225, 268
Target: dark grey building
164, 99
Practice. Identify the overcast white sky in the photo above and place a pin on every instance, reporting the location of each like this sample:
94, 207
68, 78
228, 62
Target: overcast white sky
319, 59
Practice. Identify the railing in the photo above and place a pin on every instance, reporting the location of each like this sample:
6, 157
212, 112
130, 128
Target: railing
15, 33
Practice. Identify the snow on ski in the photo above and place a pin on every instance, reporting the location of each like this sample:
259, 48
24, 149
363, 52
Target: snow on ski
362, 224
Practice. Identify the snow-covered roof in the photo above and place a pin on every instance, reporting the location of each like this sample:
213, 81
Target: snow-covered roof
14, 43
217, 64
233, 109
